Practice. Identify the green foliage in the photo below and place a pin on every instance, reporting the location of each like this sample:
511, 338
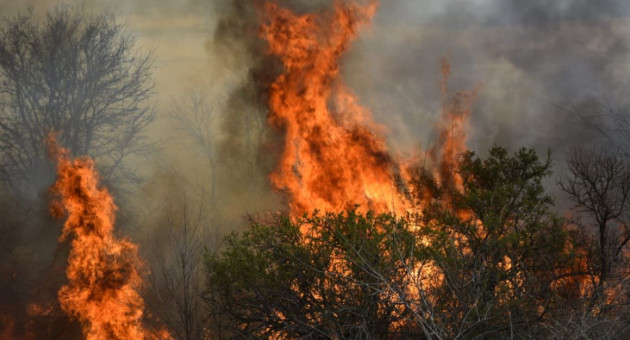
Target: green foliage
329, 281
503, 251
483, 260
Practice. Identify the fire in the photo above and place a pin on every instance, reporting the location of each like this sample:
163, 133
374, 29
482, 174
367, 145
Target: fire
332, 159
103, 271
335, 156
7, 331
452, 129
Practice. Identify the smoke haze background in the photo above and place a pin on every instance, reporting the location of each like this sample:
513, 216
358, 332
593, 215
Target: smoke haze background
541, 64
529, 55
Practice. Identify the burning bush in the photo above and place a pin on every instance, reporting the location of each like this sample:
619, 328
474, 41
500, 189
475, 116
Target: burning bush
487, 263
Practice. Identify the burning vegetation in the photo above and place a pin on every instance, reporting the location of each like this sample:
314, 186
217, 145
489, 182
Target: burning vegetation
332, 158
104, 272
334, 155
370, 244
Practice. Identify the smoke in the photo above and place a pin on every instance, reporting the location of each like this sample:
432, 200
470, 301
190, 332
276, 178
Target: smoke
539, 62
542, 65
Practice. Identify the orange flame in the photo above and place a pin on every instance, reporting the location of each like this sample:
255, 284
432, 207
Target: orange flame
102, 270
332, 158
335, 156
452, 133
7, 327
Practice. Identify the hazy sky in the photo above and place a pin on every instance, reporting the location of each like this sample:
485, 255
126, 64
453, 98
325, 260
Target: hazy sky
541, 65
531, 57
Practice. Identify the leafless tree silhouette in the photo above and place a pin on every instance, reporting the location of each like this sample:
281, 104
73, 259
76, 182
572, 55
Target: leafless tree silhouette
75, 74
598, 183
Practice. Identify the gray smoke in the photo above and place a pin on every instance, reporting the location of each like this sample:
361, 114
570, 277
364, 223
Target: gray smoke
543, 66
541, 63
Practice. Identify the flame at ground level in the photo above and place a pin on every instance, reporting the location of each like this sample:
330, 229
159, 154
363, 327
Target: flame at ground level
103, 271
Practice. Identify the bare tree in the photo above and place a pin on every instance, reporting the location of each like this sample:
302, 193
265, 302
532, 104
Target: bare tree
244, 147
176, 280
75, 74
583, 324
598, 183
609, 120
196, 118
